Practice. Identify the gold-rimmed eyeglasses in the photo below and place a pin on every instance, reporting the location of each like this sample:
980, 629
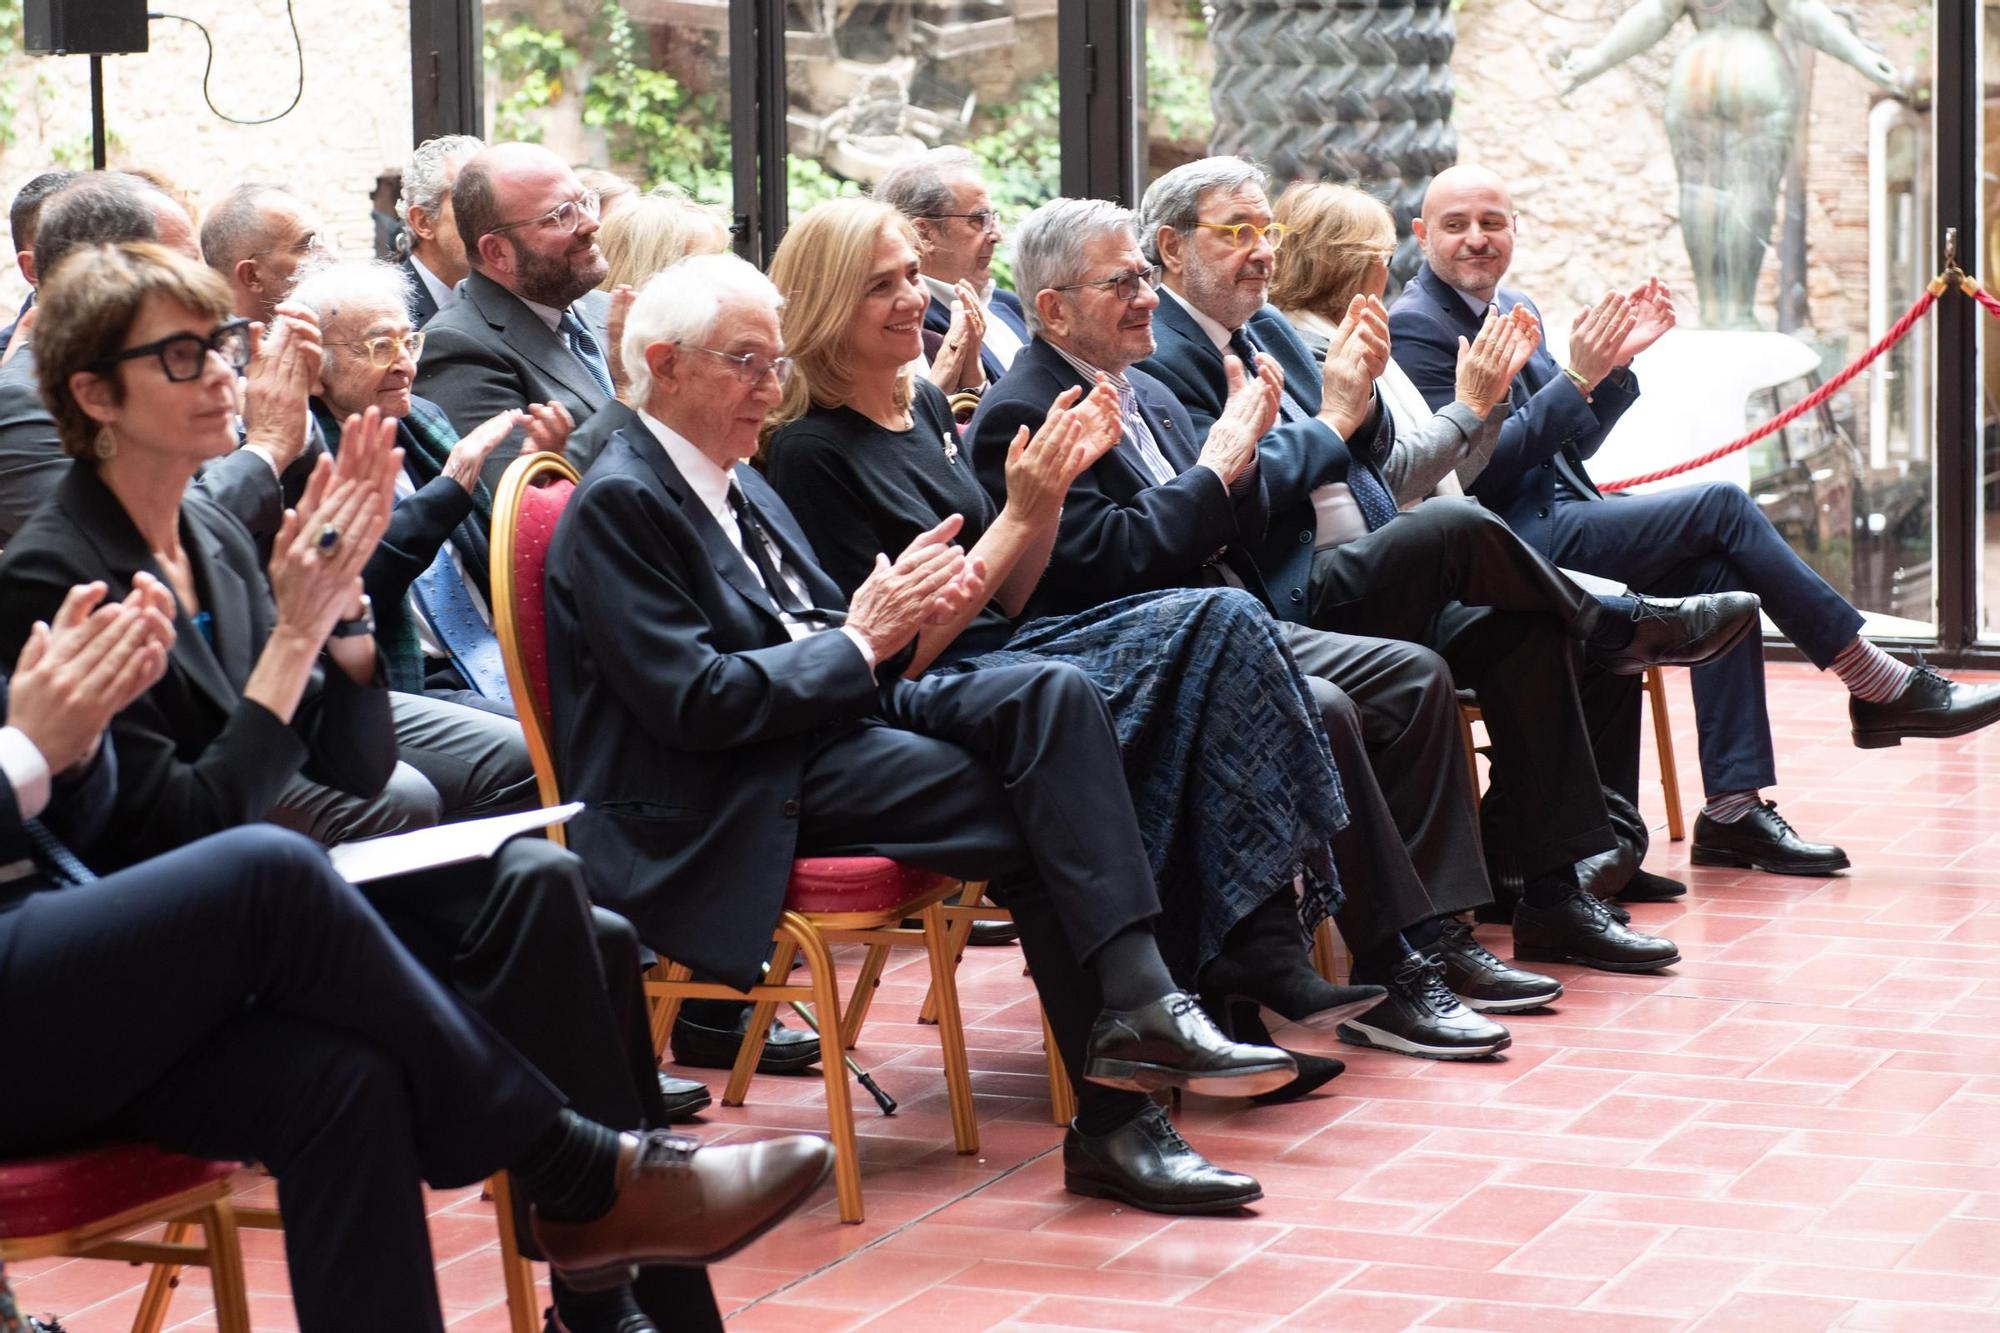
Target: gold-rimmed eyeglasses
1243, 235
383, 350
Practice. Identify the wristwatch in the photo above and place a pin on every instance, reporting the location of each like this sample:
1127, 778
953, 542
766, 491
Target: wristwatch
359, 626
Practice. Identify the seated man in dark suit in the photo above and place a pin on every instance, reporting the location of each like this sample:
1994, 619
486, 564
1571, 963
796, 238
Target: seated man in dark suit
1172, 506
531, 326
254, 483
1448, 576
1689, 540
722, 710
436, 262
260, 238
942, 192
22, 216
235, 999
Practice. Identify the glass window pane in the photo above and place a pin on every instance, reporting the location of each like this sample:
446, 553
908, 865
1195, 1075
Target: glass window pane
636, 87
871, 83
1777, 175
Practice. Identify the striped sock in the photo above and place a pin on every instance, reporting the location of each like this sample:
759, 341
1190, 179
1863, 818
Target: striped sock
1729, 806
1870, 674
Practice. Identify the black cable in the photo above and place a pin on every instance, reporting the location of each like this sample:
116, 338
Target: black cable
298, 48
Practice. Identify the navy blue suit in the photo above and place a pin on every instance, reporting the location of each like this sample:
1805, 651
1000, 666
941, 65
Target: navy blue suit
1005, 306
1410, 849
235, 1000
1695, 539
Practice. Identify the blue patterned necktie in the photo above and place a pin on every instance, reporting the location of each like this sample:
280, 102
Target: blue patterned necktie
447, 607
1370, 492
58, 862
586, 350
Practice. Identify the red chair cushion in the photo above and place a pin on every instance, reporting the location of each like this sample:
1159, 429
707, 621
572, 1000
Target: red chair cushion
534, 528
41, 1195
857, 884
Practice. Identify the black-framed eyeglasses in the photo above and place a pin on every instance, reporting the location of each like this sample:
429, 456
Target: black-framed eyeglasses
1126, 286
750, 367
986, 219
383, 350
183, 356
565, 216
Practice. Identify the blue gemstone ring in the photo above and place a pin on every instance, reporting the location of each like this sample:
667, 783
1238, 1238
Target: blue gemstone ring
329, 537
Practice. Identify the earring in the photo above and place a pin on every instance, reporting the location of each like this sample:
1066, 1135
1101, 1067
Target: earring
106, 445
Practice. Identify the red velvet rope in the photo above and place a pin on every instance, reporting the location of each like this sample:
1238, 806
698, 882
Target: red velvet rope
1918, 309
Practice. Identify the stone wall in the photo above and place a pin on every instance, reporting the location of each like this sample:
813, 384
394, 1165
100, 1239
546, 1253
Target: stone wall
1594, 176
352, 123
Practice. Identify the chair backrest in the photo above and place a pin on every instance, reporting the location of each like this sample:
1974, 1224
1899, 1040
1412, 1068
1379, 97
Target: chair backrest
533, 493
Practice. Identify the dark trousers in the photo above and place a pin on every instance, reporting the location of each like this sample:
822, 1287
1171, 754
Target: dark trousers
1454, 578
476, 758
1010, 775
235, 1000
1411, 849
517, 940
1712, 539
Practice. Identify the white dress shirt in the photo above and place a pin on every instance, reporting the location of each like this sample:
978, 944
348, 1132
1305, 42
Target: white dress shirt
442, 292
1001, 340
710, 485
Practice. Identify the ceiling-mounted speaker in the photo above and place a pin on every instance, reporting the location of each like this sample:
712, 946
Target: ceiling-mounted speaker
84, 27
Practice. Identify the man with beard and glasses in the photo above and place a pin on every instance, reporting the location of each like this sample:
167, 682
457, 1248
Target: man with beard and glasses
532, 326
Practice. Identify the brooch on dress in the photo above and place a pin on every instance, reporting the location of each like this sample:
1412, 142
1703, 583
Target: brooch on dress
950, 448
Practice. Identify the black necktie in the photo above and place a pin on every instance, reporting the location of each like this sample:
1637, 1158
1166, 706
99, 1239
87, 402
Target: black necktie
58, 862
757, 544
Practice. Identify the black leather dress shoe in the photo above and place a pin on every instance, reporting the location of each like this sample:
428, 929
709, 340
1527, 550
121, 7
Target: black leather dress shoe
1171, 1043
1762, 840
1146, 1163
1931, 707
1423, 1018
786, 1051
1579, 929
1484, 983
633, 1322
986, 934
1682, 632
1646, 887
685, 1098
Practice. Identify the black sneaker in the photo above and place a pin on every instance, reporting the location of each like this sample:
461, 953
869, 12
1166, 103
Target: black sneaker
1485, 983
1423, 1018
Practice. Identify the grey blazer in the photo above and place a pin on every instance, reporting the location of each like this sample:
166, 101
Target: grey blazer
491, 353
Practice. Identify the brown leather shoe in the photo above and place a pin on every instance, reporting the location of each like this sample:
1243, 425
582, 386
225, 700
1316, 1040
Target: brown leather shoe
685, 1204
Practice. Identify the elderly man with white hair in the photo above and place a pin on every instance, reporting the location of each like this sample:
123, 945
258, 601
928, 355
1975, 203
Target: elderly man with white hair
436, 263
722, 709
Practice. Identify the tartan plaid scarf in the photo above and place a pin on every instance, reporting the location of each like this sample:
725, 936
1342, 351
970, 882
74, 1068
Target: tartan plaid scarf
426, 439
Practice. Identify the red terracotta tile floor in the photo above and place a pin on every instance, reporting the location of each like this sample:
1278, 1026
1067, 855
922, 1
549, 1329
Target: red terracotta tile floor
1798, 1128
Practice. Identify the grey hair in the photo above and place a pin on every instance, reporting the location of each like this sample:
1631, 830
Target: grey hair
332, 289
424, 178
1174, 199
234, 228
920, 187
681, 305
1048, 248
97, 208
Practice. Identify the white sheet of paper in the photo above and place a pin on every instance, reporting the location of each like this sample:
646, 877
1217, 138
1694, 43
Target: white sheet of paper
445, 845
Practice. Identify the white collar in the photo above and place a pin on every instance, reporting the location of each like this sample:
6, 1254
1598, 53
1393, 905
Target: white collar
1309, 321
1216, 333
443, 294
709, 482
947, 293
548, 314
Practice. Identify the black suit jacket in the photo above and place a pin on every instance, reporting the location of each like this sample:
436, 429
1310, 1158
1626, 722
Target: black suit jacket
1550, 431
490, 353
78, 811
33, 464
683, 711
1006, 305
423, 307
1295, 458
588, 440
1121, 533
196, 757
